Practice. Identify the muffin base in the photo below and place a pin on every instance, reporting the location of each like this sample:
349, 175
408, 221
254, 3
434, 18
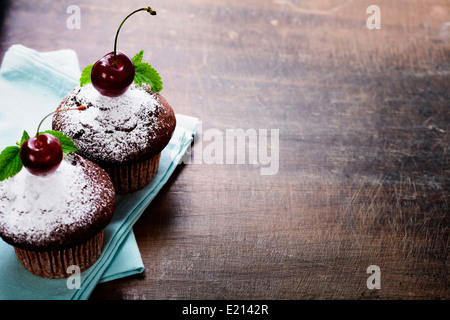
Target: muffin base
54, 264
135, 176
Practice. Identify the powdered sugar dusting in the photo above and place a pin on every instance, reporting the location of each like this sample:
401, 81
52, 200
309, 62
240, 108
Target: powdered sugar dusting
35, 209
111, 128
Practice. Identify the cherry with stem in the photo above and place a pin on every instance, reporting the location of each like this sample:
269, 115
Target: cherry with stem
112, 74
42, 154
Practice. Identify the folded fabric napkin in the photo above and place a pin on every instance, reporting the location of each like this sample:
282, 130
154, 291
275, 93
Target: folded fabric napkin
32, 84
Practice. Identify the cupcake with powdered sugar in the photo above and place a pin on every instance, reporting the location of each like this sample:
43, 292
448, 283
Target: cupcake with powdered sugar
54, 205
124, 135
127, 122
58, 220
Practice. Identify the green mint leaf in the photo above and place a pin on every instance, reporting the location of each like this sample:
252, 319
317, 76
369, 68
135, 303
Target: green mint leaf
25, 137
86, 75
10, 162
146, 74
66, 143
138, 58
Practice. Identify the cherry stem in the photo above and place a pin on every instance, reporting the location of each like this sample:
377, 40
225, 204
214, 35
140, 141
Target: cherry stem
148, 9
38, 143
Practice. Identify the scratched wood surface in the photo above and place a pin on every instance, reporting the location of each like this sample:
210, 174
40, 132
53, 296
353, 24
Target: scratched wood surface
363, 120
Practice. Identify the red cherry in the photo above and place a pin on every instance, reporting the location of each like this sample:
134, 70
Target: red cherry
114, 73
41, 154
113, 79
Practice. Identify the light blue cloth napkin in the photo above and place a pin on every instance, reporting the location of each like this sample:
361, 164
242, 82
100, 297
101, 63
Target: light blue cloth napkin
32, 84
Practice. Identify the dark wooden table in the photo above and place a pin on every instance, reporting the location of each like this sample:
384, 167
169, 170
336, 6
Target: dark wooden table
363, 120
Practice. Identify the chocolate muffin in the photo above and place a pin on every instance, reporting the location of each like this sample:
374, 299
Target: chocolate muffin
58, 220
124, 135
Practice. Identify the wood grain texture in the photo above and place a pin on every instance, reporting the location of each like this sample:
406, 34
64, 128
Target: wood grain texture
363, 117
